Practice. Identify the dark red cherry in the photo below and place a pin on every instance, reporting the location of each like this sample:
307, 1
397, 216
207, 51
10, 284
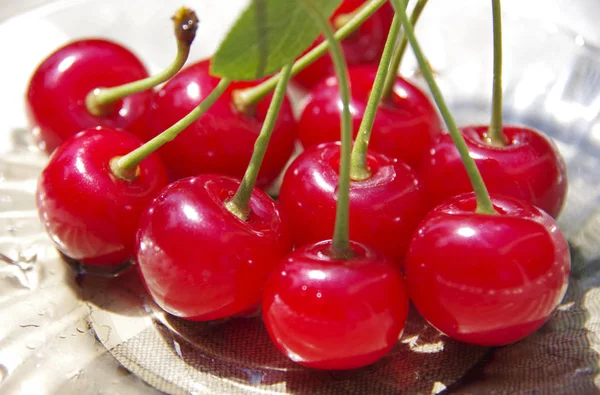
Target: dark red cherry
57, 90
405, 126
364, 46
222, 140
201, 262
529, 168
328, 313
385, 209
484, 279
90, 214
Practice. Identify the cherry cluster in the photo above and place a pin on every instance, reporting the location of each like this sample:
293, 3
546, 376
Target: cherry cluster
459, 221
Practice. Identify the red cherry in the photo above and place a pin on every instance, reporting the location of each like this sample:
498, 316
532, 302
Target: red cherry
222, 140
384, 209
364, 46
405, 124
529, 168
487, 279
89, 213
58, 88
201, 262
328, 313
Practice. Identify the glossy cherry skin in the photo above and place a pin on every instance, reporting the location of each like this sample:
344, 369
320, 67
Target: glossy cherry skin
385, 209
489, 280
364, 46
529, 168
222, 140
90, 214
57, 90
328, 313
199, 261
405, 125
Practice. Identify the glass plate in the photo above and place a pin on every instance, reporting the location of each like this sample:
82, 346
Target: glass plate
64, 331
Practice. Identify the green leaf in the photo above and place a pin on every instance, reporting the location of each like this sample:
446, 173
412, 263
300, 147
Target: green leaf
268, 35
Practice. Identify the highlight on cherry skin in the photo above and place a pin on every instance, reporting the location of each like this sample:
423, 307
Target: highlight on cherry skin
222, 139
385, 209
329, 313
199, 261
90, 213
364, 46
56, 93
529, 167
406, 123
483, 279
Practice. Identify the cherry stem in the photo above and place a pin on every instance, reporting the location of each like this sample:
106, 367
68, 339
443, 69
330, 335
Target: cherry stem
246, 98
359, 169
239, 203
342, 19
185, 21
124, 165
400, 51
340, 248
496, 136
484, 203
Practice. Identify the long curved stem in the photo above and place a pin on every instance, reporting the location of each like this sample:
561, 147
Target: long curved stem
246, 98
185, 22
496, 135
238, 204
341, 233
359, 170
484, 203
127, 163
401, 50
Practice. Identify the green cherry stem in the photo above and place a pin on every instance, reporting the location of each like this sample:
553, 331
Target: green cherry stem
239, 203
496, 135
185, 21
343, 19
341, 235
401, 50
246, 98
125, 166
484, 203
359, 170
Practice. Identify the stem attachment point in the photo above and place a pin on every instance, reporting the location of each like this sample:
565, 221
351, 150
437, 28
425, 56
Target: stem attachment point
126, 174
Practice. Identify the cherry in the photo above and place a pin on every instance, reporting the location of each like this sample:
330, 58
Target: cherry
91, 214
58, 88
329, 313
406, 123
197, 259
364, 46
487, 279
385, 209
222, 139
529, 167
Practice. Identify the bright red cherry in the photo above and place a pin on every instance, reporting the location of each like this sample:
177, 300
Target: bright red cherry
58, 88
328, 313
405, 125
484, 279
90, 214
385, 209
222, 140
529, 167
201, 262
364, 46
